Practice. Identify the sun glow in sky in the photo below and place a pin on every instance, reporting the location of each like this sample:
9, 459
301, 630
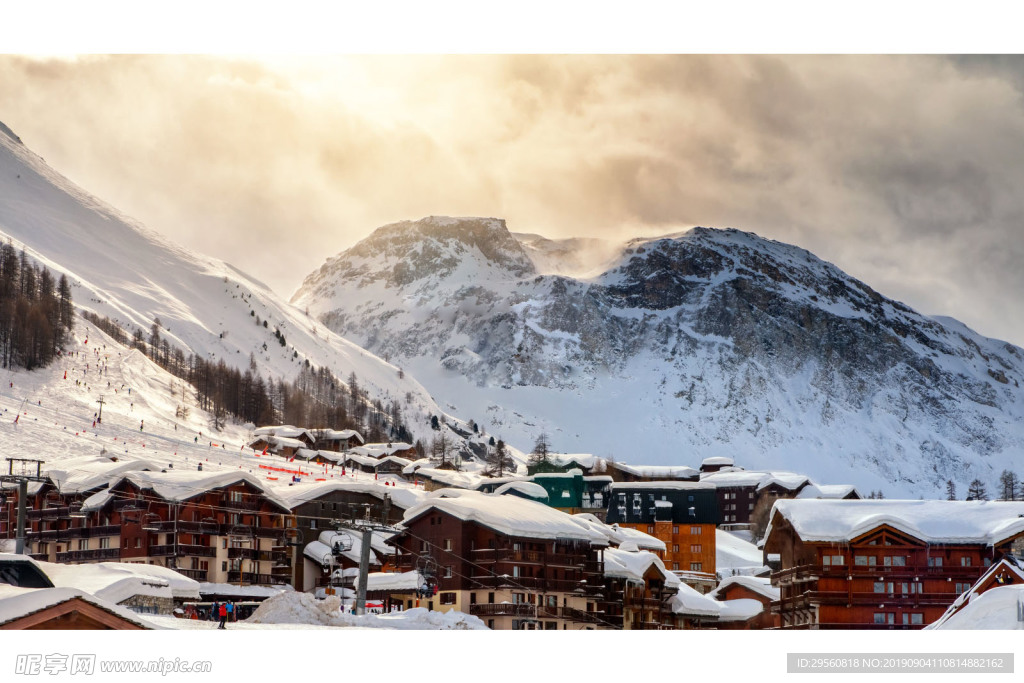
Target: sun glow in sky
902, 170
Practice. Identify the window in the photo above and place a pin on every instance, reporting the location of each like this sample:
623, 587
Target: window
675, 566
447, 598
834, 560
138, 542
695, 531
235, 496
695, 567
675, 548
650, 528
695, 548
83, 544
750, 507
312, 524
894, 561
965, 561
223, 566
675, 530
515, 570
864, 560
884, 586
885, 617
224, 543
447, 572
934, 561
963, 587
447, 544
105, 542
490, 598
912, 618
472, 598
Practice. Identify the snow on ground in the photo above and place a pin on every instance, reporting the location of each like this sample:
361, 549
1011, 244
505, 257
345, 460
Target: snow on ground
304, 609
735, 556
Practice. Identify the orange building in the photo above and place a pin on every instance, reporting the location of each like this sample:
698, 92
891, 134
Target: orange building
681, 514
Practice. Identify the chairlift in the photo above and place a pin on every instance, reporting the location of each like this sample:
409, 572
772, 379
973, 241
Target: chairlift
131, 513
75, 510
239, 534
53, 496
342, 543
209, 525
151, 522
426, 565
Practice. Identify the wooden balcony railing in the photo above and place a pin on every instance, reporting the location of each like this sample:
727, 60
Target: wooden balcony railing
96, 555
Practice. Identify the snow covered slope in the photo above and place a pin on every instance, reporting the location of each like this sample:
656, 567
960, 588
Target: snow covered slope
120, 269
704, 343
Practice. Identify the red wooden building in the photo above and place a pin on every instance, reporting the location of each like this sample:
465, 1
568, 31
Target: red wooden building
882, 564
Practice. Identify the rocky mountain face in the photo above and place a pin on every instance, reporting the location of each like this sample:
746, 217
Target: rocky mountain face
710, 342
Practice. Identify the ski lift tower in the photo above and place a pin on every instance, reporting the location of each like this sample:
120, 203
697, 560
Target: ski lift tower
25, 467
366, 527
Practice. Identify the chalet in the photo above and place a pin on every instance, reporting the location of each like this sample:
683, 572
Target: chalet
681, 514
882, 564
383, 450
523, 489
145, 589
62, 609
278, 445
515, 563
693, 610
746, 603
620, 471
204, 525
305, 436
336, 440
638, 589
715, 464
314, 507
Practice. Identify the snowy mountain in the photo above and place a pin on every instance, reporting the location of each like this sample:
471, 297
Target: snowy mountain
704, 343
120, 269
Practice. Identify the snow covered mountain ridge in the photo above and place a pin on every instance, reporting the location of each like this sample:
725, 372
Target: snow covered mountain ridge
134, 275
708, 342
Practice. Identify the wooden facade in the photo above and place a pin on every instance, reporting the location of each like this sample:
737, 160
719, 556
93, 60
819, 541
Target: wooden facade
510, 582
884, 578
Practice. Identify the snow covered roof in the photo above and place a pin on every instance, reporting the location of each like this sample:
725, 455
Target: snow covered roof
1008, 563
756, 478
740, 609
508, 515
206, 589
527, 488
182, 485
378, 450
633, 565
827, 491
689, 602
341, 435
733, 553
995, 609
617, 535
283, 431
16, 603
118, 581
932, 521
585, 460
78, 475
401, 497
760, 585
645, 485
659, 471
389, 581
722, 460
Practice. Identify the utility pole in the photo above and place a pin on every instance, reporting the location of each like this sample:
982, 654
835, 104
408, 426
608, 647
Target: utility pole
99, 420
22, 481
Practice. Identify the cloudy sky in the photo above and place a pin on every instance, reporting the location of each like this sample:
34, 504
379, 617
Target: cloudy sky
905, 171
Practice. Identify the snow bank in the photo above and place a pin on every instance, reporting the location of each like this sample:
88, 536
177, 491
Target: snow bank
303, 608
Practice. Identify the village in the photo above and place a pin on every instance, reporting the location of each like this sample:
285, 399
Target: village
560, 542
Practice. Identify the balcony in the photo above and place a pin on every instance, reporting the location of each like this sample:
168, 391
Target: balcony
248, 505
250, 578
182, 550
197, 574
98, 555
47, 513
529, 583
503, 610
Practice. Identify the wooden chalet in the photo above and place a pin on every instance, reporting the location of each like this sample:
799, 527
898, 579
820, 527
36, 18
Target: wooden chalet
620, 471
215, 527
515, 563
1008, 571
739, 492
638, 590
43, 609
746, 603
881, 564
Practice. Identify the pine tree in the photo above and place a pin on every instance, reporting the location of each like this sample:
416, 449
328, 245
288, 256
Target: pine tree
500, 460
541, 450
977, 491
1008, 483
950, 490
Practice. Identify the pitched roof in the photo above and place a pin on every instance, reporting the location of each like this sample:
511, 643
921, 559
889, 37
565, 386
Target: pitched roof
932, 521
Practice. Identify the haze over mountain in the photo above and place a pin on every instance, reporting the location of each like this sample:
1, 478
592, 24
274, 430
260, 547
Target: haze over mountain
704, 343
121, 269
